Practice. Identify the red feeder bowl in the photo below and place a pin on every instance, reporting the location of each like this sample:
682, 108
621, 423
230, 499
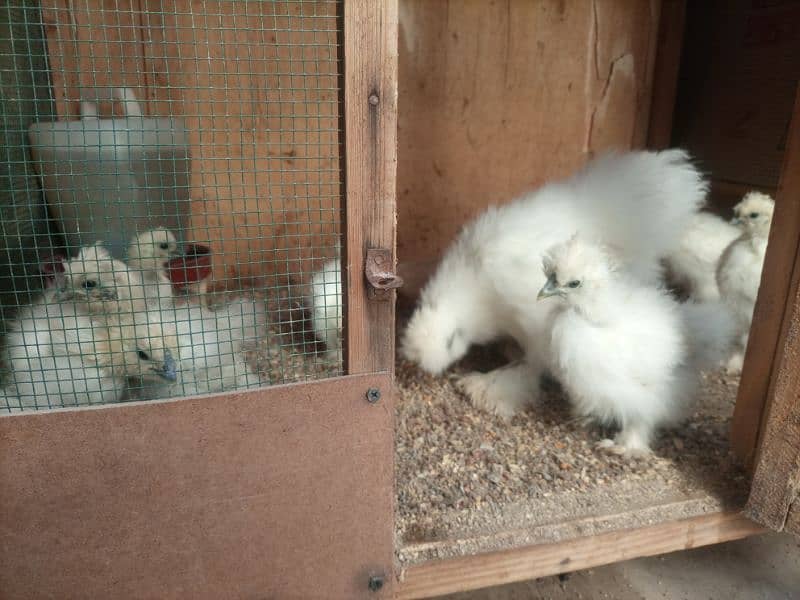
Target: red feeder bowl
192, 267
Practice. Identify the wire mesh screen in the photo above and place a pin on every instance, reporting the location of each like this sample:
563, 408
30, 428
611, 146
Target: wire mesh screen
177, 176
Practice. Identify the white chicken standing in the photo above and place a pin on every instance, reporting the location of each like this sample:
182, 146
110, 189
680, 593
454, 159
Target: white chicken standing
627, 354
326, 306
640, 203
148, 254
739, 269
693, 264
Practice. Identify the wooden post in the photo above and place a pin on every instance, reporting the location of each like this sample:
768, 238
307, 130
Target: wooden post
370, 111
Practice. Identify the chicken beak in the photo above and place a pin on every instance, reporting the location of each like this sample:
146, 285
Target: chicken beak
550, 288
169, 369
736, 221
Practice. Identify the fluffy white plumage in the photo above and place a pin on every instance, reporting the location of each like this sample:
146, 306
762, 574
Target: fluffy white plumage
640, 203
105, 285
211, 346
148, 254
60, 355
626, 353
693, 264
739, 270
326, 305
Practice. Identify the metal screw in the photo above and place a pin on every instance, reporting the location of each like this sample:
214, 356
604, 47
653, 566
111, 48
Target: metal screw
373, 395
375, 583
373, 99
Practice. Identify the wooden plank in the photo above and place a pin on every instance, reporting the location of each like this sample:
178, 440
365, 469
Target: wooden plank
370, 111
665, 84
498, 568
498, 97
284, 492
765, 360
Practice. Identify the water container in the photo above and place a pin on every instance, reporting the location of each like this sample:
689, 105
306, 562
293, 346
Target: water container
107, 179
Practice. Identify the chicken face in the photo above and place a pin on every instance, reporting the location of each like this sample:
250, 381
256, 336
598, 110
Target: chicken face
95, 278
152, 250
754, 214
148, 352
575, 270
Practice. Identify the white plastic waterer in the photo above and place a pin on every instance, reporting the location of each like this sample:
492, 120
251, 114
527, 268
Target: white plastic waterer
107, 179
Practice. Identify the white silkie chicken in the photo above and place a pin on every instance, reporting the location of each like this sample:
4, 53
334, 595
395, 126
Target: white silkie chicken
59, 355
693, 264
148, 255
104, 285
627, 354
739, 269
211, 347
326, 304
640, 203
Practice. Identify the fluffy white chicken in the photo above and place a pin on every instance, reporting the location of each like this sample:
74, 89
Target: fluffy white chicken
59, 355
739, 269
693, 264
148, 254
326, 304
640, 203
105, 285
627, 354
210, 349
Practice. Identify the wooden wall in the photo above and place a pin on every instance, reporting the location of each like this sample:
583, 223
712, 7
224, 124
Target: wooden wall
497, 97
256, 83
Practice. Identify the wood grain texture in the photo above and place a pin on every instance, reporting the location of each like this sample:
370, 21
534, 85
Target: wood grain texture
766, 359
370, 110
278, 493
485, 570
257, 86
498, 97
667, 66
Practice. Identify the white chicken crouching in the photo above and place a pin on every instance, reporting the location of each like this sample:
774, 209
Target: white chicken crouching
148, 254
627, 354
59, 356
640, 203
739, 269
693, 264
326, 304
211, 347
106, 286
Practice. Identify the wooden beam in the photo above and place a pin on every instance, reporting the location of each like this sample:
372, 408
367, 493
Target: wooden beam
774, 308
498, 568
370, 111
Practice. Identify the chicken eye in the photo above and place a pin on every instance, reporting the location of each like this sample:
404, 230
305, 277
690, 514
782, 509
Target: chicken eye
89, 284
143, 355
164, 246
574, 283
753, 215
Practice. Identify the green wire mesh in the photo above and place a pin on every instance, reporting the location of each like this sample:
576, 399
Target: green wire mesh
171, 198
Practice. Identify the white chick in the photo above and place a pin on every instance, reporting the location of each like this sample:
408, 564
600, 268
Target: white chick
148, 255
326, 304
693, 264
211, 346
104, 285
627, 354
739, 269
640, 203
59, 355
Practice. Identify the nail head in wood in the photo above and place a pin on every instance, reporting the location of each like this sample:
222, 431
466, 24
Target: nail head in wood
373, 395
373, 99
375, 583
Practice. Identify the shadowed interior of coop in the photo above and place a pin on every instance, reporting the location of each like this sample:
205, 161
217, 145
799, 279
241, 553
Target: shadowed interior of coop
195, 157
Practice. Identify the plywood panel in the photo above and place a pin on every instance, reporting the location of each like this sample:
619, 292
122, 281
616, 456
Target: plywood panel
279, 493
497, 97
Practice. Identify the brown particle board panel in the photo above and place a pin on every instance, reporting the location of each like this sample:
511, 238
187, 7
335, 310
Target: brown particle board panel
498, 97
285, 492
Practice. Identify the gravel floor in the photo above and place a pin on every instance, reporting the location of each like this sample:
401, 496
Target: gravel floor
465, 479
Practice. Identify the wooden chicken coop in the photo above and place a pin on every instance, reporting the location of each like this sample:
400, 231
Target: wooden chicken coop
388, 125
